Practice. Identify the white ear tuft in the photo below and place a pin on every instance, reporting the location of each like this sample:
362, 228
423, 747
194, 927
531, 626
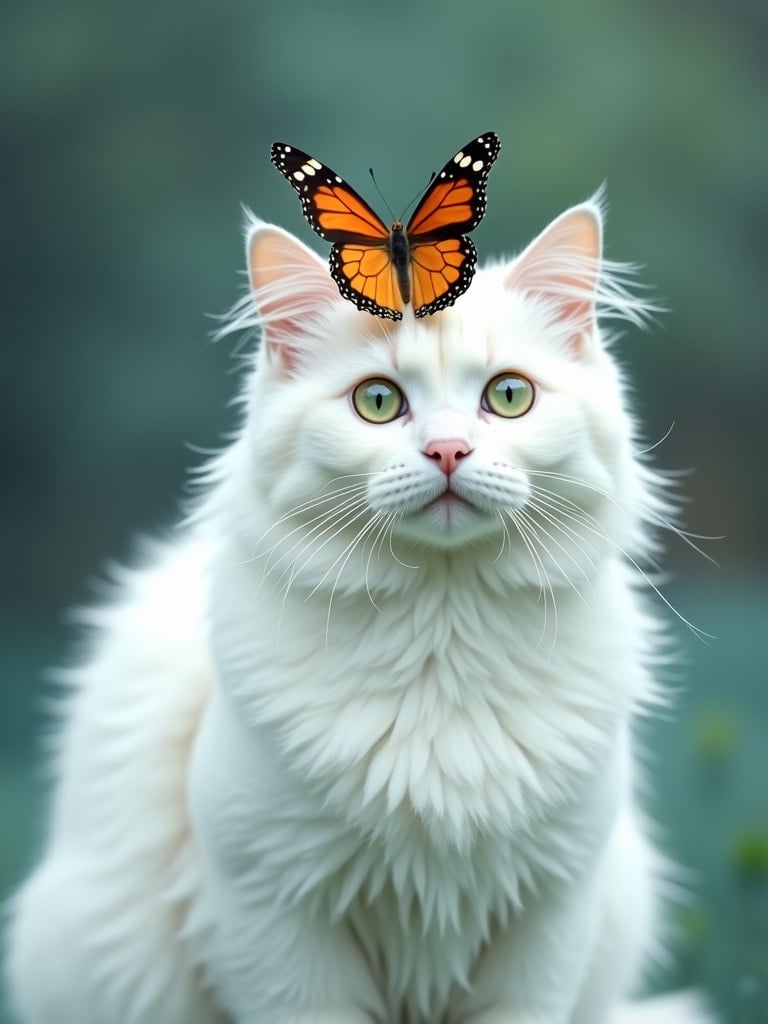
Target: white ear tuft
562, 266
290, 285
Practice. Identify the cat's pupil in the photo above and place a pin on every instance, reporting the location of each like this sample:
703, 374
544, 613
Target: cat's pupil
379, 399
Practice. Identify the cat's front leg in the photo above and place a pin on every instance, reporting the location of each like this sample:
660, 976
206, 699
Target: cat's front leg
533, 971
270, 956
293, 972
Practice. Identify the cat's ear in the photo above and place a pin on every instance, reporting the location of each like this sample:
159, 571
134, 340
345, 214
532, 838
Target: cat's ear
562, 267
290, 285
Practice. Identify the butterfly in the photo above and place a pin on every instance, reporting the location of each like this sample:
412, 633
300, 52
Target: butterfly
429, 262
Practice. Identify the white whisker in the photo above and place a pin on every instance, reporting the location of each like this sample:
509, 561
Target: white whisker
505, 538
382, 519
662, 439
359, 497
347, 553
321, 499
593, 525
405, 565
649, 513
537, 528
550, 511
559, 526
529, 540
333, 528
290, 571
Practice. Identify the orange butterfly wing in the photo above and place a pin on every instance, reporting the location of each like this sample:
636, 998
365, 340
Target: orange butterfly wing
456, 200
365, 275
441, 271
332, 207
442, 258
360, 257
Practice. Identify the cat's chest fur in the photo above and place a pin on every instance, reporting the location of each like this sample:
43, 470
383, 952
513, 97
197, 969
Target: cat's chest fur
411, 769
449, 710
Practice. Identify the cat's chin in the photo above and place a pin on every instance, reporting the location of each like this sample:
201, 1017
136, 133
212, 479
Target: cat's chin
448, 522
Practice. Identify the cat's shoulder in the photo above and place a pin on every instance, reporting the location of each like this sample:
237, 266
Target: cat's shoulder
158, 599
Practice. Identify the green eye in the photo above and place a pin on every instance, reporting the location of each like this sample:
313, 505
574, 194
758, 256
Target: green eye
508, 395
379, 400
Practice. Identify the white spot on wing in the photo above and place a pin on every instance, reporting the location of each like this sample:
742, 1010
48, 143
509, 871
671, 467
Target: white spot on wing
477, 165
308, 169
315, 163
459, 157
465, 161
298, 176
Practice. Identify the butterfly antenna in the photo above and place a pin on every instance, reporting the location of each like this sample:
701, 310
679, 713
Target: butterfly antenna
413, 201
381, 194
419, 194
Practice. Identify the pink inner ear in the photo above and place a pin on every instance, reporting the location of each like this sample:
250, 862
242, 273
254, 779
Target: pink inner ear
562, 266
290, 284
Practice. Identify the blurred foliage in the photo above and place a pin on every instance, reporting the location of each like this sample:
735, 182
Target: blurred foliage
751, 852
130, 135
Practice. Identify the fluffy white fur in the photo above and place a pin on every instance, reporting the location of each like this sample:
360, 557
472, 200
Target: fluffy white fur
344, 752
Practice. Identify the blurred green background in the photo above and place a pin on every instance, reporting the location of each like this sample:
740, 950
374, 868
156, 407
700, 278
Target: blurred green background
130, 135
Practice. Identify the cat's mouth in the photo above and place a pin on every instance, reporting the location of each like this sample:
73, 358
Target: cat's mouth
448, 519
449, 499
449, 507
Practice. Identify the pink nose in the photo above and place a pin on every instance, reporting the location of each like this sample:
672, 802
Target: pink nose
447, 453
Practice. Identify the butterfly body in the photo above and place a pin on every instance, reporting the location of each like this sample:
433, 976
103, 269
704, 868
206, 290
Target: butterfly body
400, 257
429, 262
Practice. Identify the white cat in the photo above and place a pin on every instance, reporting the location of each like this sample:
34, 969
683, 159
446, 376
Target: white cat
355, 747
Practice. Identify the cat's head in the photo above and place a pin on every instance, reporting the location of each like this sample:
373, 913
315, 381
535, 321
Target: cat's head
496, 427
